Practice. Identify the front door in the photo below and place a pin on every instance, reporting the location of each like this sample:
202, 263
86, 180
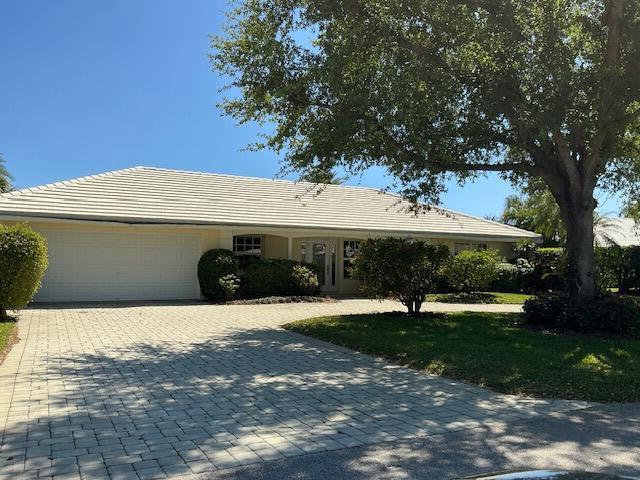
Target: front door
323, 254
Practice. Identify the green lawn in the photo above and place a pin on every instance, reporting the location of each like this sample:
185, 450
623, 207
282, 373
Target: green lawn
7, 333
481, 297
493, 351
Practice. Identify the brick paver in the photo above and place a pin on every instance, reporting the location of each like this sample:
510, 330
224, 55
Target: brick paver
158, 391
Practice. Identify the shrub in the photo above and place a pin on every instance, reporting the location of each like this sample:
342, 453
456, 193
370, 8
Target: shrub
23, 261
230, 285
397, 268
306, 279
279, 277
472, 270
507, 279
549, 269
618, 267
604, 314
214, 265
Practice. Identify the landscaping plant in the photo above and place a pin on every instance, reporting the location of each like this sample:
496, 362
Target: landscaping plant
610, 314
214, 265
280, 277
23, 261
230, 284
472, 271
406, 270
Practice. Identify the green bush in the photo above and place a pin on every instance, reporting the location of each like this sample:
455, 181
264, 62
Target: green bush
507, 278
214, 265
23, 261
279, 277
618, 267
397, 268
472, 270
604, 314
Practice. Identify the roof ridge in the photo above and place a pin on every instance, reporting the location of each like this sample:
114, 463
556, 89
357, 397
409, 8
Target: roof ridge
283, 180
66, 182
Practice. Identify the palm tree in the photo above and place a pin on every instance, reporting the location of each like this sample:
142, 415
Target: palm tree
5, 177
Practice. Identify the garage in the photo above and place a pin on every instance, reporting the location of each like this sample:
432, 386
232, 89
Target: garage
95, 265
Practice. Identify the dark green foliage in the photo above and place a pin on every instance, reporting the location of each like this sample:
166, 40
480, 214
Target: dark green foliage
214, 265
604, 314
507, 278
540, 90
536, 210
23, 261
397, 268
618, 267
471, 270
540, 269
279, 277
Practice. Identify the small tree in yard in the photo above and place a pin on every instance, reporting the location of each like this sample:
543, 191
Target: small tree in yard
401, 269
472, 271
23, 261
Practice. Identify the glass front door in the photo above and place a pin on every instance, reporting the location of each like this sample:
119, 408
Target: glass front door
323, 254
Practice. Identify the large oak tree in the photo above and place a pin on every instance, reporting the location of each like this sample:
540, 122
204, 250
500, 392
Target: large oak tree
545, 89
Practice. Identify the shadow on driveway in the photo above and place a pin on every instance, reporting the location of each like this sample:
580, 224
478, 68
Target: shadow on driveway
250, 395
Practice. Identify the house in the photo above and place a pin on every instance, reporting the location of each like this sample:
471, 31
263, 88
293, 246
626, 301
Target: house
138, 233
624, 232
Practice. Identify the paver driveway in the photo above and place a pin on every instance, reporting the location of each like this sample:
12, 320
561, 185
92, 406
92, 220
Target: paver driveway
155, 391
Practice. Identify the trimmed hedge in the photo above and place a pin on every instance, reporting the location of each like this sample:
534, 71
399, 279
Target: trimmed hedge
604, 314
214, 265
279, 277
472, 270
23, 261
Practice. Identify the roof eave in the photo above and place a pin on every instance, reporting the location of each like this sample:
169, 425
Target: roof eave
70, 218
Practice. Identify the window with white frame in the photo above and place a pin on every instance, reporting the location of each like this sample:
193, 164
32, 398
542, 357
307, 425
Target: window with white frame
247, 247
350, 249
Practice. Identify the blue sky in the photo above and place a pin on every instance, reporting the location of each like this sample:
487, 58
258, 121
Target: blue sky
88, 87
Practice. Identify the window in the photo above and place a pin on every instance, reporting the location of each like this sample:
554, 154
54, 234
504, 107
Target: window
458, 247
247, 247
350, 249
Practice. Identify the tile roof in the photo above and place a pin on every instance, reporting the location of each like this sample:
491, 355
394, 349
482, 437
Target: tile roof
157, 195
624, 232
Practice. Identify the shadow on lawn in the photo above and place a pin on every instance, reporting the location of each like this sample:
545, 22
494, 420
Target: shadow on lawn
212, 396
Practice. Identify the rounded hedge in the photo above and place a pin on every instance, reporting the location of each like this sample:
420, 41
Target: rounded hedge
279, 277
23, 261
213, 265
472, 270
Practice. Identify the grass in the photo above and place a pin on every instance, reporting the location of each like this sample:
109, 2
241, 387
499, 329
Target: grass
480, 297
492, 350
7, 335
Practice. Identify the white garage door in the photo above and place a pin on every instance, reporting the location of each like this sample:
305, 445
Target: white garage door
97, 266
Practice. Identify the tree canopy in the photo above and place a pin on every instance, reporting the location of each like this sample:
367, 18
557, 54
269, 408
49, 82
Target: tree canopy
436, 88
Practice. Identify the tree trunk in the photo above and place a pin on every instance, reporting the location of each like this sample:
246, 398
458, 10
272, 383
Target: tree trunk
3, 314
580, 250
417, 306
